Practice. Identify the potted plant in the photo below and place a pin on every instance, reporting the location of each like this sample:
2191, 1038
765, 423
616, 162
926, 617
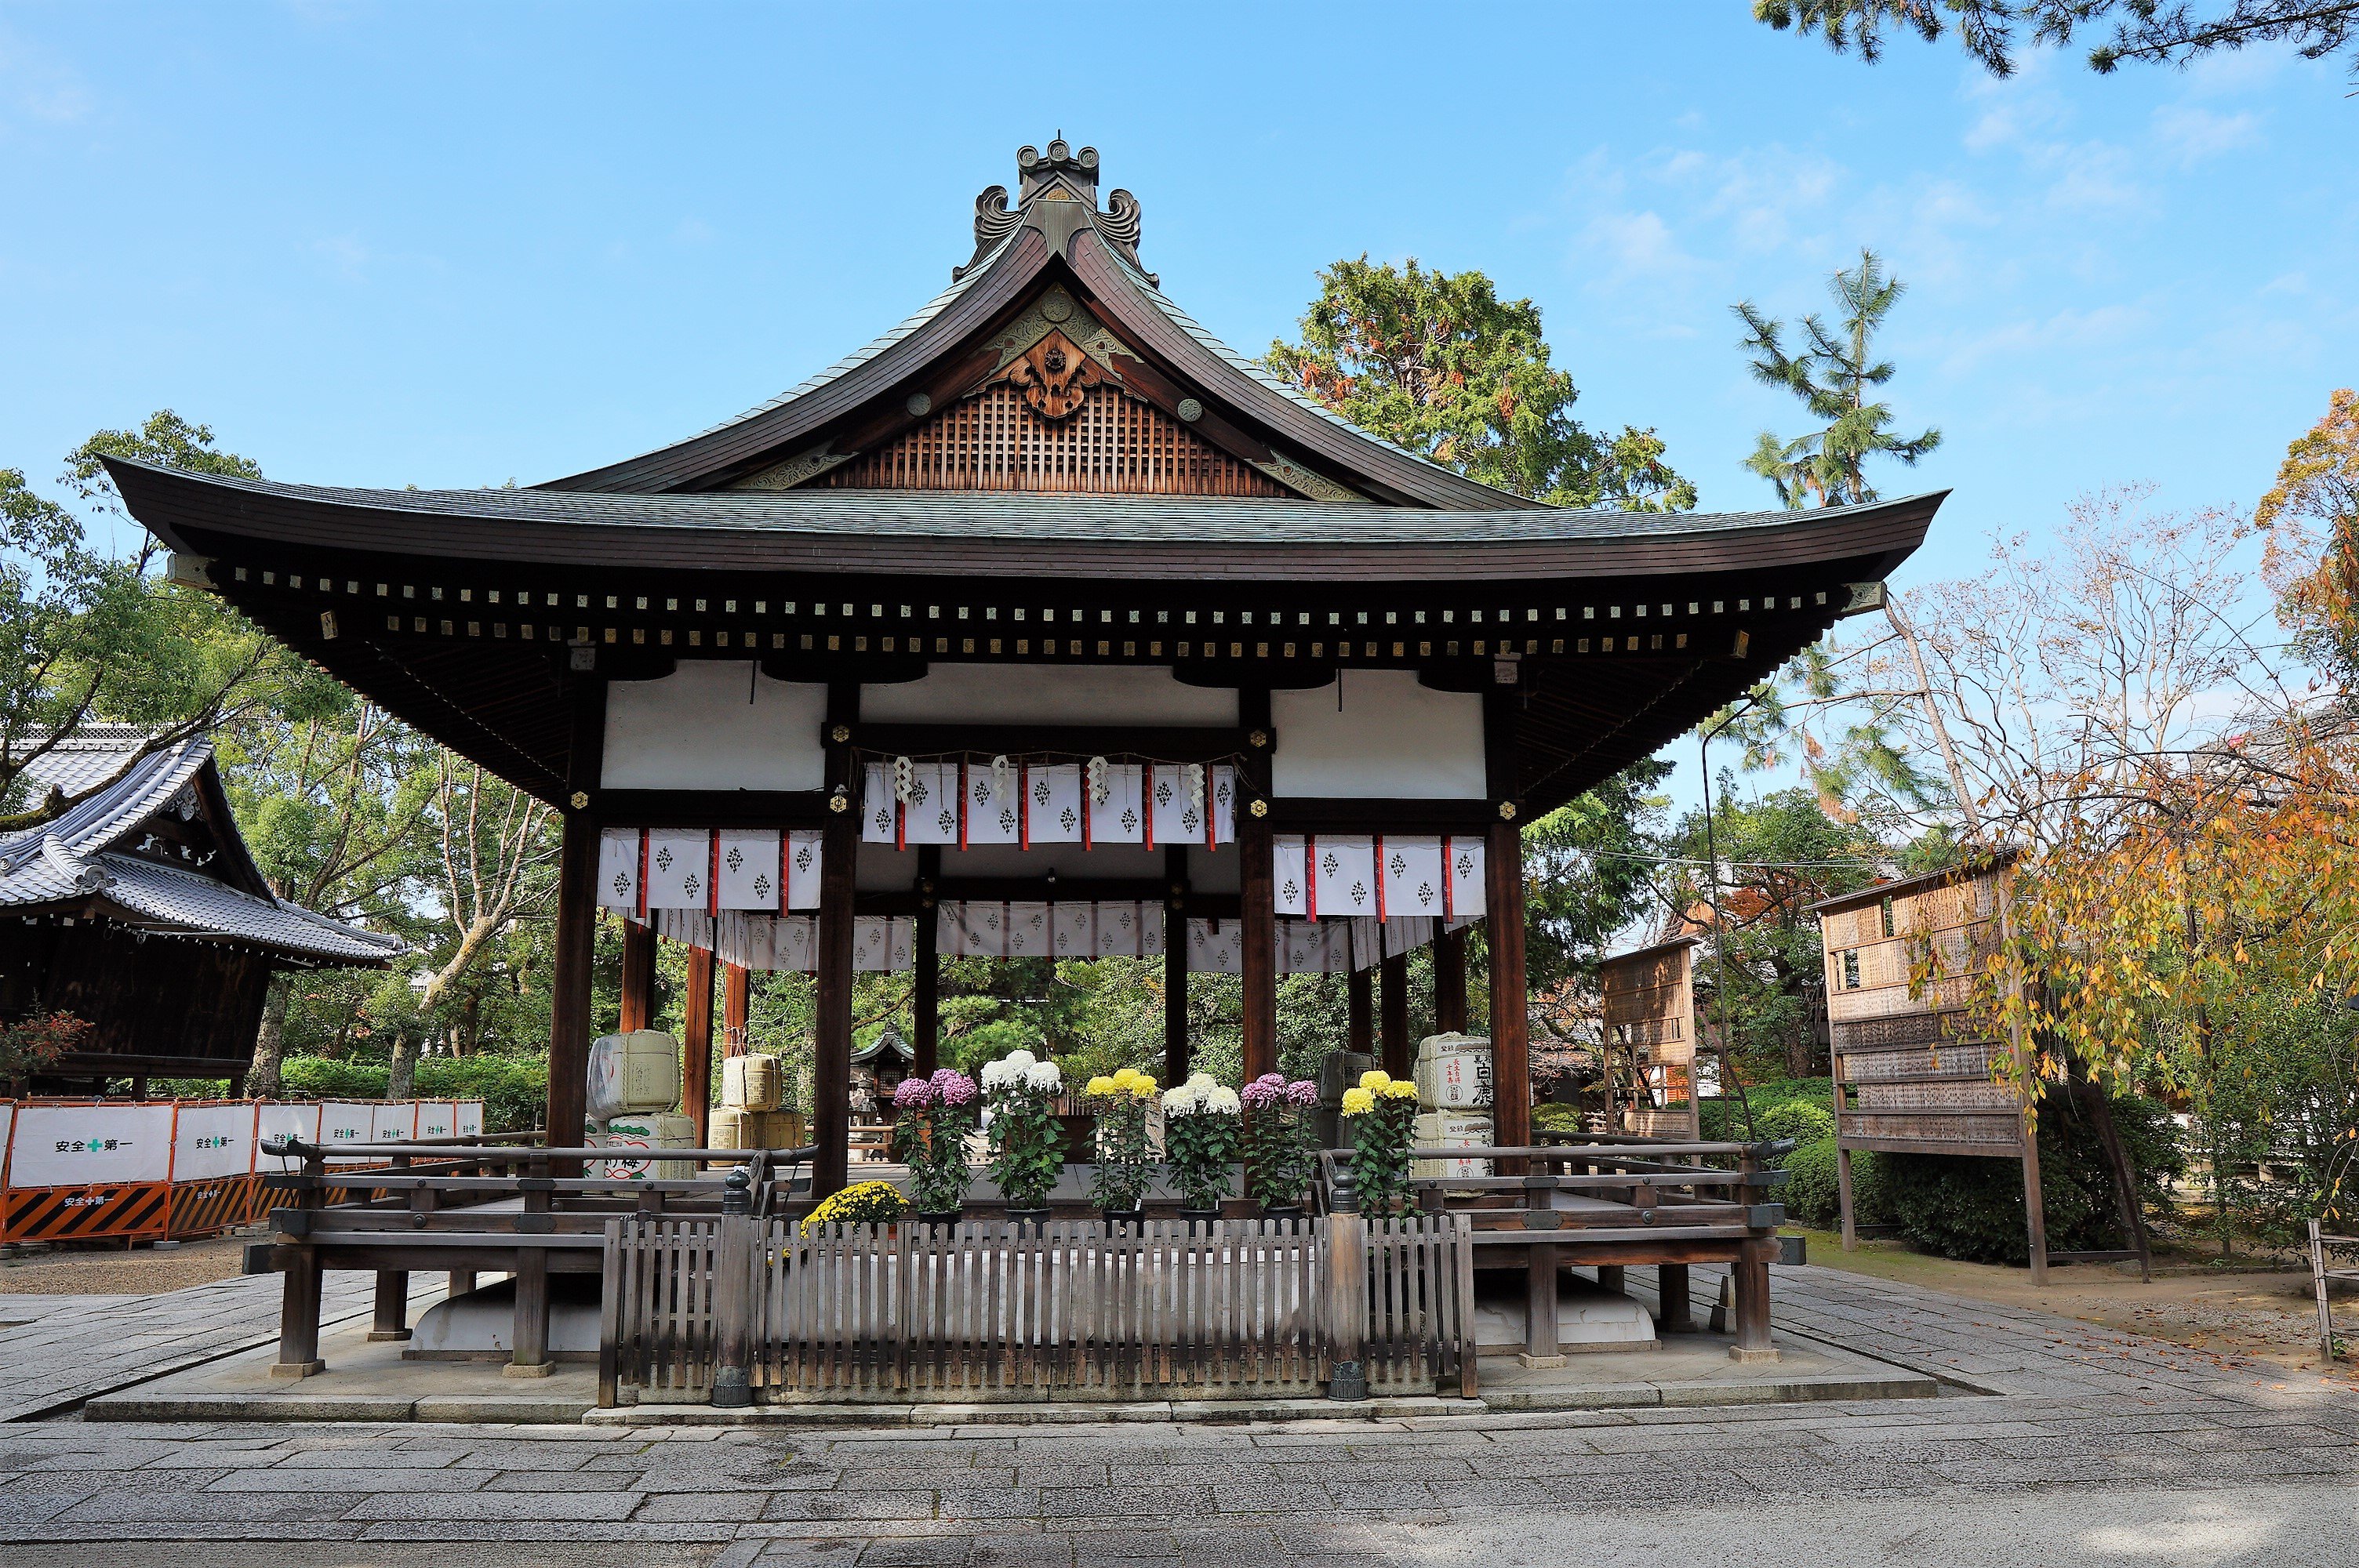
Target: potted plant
1125, 1160
863, 1203
1201, 1134
1382, 1110
1279, 1158
932, 1119
1027, 1140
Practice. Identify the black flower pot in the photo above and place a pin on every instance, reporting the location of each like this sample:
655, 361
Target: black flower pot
1028, 1218
1285, 1213
948, 1220
1199, 1219
1122, 1218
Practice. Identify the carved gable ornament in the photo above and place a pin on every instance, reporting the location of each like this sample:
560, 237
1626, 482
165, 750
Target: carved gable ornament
1053, 377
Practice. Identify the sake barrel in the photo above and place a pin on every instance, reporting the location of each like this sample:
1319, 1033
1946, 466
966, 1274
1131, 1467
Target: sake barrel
634, 1073
661, 1129
1450, 1129
751, 1083
734, 1127
1453, 1072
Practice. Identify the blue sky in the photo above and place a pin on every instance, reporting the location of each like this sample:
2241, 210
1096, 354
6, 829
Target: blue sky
450, 244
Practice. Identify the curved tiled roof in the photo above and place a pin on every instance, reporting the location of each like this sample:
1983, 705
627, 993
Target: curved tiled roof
73, 857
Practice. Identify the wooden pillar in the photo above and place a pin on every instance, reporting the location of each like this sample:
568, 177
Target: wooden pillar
696, 1040
1175, 1065
1393, 1013
638, 1008
1674, 1308
571, 1023
390, 1318
924, 989
1541, 1348
831, 1026
736, 1010
1360, 1029
1257, 911
1450, 982
1503, 895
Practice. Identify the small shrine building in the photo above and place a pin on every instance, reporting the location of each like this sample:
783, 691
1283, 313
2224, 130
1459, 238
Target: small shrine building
1045, 624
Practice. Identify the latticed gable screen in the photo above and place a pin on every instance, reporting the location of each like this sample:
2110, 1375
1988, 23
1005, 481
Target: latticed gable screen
1111, 445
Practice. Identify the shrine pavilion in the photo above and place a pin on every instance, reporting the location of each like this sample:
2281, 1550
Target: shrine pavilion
1045, 624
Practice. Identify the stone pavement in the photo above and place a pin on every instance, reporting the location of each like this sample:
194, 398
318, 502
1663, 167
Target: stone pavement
2096, 1447
58, 1351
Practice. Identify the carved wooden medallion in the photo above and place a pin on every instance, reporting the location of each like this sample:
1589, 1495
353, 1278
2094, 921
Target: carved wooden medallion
1053, 377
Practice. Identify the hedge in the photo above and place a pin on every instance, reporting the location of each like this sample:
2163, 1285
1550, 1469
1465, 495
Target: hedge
514, 1089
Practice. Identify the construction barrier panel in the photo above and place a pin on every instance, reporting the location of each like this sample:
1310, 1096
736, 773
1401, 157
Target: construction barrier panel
213, 1183
78, 1171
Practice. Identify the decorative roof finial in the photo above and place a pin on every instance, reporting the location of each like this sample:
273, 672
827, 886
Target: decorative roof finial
1068, 178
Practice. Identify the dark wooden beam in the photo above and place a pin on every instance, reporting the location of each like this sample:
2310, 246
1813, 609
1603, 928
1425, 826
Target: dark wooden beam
831, 1026
1449, 982
1393, 1013
1257, 911
637, 1009
571, 1024
925, 992
696, 1040
1176, 1064
1503, 896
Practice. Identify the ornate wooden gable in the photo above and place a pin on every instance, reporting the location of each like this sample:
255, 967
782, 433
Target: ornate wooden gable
1050, 410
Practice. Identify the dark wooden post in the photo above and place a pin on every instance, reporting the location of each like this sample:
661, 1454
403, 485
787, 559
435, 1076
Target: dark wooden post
298, 1299
1450, 982
696, 1042
1503, 895
1175, 967
1360, 1013
832, 1028
1675, 1311
638, 1008
925, 988
1393, 1012
736, 1009
530, 1330
1257, 912
571, 1024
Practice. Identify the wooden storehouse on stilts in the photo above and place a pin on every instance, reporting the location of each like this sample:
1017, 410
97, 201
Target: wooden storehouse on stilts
1044, 625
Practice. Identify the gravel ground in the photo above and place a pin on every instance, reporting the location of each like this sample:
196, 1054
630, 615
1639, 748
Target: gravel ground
111, 1268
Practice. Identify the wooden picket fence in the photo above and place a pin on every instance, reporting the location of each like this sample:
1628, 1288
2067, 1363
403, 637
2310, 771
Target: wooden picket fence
990, 1310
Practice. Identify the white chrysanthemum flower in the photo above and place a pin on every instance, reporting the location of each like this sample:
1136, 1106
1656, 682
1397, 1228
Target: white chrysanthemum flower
1178, 1102
1222, 1100
1020, 1061
1198, 1083
1045, 1077
994, 1076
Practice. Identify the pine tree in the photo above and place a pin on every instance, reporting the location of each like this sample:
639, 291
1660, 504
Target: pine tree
1833, 376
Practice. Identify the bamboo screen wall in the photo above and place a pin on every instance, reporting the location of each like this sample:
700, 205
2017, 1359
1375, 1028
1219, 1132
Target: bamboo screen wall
1111, 445
1648, 1001
1908, 1077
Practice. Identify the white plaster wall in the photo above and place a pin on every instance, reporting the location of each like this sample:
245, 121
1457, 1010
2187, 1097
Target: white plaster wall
715, 724
1077, 694
1391, 739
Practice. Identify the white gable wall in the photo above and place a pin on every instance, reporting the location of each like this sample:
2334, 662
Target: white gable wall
1391, 738
1073, 694
715, 724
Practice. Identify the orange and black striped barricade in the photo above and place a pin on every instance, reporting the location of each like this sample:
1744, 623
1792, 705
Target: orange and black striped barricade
213, 1167
83, 1171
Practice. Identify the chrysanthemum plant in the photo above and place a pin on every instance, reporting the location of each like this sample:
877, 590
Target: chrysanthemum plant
1279, 1158
932, 1119
1202, 1131
1126, 1163
1382, 1110
1027, 1140
863, 1203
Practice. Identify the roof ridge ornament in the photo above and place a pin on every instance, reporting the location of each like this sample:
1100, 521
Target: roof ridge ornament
1056, 193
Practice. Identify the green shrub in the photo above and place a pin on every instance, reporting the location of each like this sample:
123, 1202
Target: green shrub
1798, 1119
514, 1089
1556, 1118
1971, 1209
1813, 1192
1724, 1118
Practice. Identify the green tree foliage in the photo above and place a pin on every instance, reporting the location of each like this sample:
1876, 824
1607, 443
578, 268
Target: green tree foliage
1778, 856
2147, 31
1437, 364
1834, 374
89, 636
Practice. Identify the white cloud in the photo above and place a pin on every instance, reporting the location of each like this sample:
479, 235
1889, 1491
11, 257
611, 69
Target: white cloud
2195, 132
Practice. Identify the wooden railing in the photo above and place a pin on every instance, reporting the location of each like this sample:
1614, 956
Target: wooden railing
1069, 1310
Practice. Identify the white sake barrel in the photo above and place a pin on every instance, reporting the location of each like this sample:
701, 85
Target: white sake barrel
734, 1127
636, 1072
662, 1130
1453, 1072
751, 1083
1450, 1129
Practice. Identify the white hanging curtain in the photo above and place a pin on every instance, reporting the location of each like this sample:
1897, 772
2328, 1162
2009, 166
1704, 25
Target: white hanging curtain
679, 868
995, 804
1211, 952
618, 870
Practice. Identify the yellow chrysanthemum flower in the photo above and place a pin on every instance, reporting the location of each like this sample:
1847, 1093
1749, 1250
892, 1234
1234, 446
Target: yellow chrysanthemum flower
1398, 1089
1373, 1082
1127, 1079
1359, 1102
1100, 1087
1142, 1087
